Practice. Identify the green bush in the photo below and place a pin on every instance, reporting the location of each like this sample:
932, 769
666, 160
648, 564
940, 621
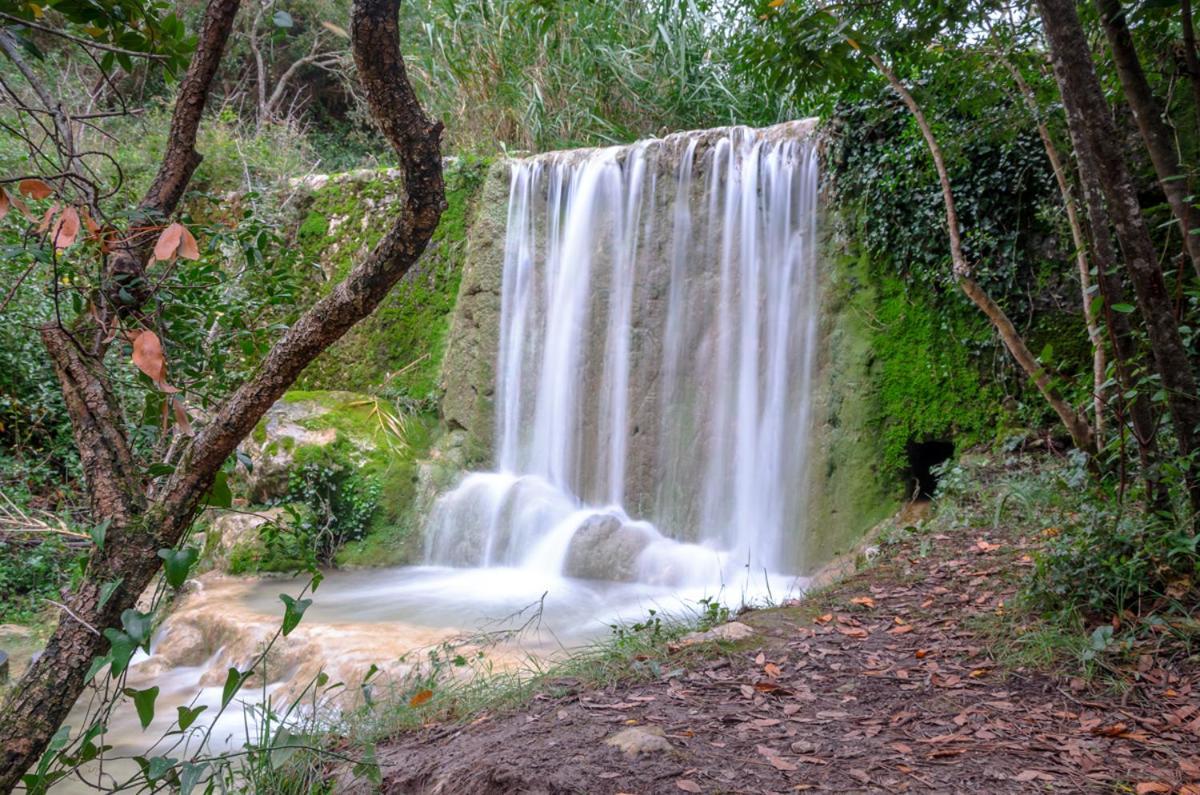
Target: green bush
1108, 561
31, 571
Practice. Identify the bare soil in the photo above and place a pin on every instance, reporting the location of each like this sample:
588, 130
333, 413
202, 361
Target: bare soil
881, 683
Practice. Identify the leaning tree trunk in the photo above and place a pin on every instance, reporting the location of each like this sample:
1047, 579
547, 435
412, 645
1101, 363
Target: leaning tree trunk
1094, 135
1075, 423
1154, 131
140, 527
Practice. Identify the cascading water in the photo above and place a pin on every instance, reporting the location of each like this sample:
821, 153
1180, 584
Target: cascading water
656, 350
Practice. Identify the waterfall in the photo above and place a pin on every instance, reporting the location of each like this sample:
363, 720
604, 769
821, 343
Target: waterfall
657, 344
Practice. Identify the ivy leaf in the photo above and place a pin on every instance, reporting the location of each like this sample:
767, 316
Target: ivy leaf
143, 701
190, 775
233, 681
138, 626
98, 532
96, 666
177, 563
121, 649
159, 766
293, 612
158, 470
219, 496
188, 715
108, 589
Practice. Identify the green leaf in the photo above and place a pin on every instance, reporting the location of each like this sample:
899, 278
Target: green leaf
190, 775
121, 649
233, 681
139, 626
96, 666
107, 590
177, 563
245, 461
293, 612
158, 470
98, 532
159, 766
219, 495
143, 701
188, 715
282, 19
1124, 309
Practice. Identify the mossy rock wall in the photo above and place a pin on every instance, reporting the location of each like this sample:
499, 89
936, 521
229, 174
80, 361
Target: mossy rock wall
468, 377
398, 350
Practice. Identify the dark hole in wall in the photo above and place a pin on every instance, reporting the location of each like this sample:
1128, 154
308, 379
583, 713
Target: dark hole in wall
923, 459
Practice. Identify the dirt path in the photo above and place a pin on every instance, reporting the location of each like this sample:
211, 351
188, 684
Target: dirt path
882, 683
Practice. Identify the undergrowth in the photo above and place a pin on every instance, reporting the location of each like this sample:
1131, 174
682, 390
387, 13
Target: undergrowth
1109, 582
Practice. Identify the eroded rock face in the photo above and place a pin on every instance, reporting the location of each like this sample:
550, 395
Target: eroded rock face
469, 367
606, 548
271, 448
227, 530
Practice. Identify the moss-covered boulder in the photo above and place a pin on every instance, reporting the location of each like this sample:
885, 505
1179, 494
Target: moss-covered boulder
342, 468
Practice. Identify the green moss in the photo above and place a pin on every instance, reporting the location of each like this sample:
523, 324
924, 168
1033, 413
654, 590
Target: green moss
931, 357
398, 350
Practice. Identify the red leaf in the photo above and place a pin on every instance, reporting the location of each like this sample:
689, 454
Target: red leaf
168, 242
1148, 787
420, 698
188, 249
148, 356
66, 228
181, 417
45, 223
34, 188
5, 204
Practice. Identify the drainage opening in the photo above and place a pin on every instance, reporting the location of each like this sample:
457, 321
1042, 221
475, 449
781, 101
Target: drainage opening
923, 459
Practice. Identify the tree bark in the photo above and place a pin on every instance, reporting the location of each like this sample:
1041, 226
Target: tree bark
1075, 423
1079, 240
1120, 330
1093, 134
47, 691
1154, 131
1189, 54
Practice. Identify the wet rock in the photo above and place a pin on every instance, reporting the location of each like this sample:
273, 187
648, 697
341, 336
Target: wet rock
606, 548
469, 367
271, 448
731, 632
229, 529
638, 740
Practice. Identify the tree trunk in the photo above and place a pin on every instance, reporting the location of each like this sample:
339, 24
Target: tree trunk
40, 702
1094, 135
1153, 129
1120, 331
1079, 240
1076, 424
1189, 54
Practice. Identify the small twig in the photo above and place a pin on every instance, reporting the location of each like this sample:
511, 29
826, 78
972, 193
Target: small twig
72, 614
